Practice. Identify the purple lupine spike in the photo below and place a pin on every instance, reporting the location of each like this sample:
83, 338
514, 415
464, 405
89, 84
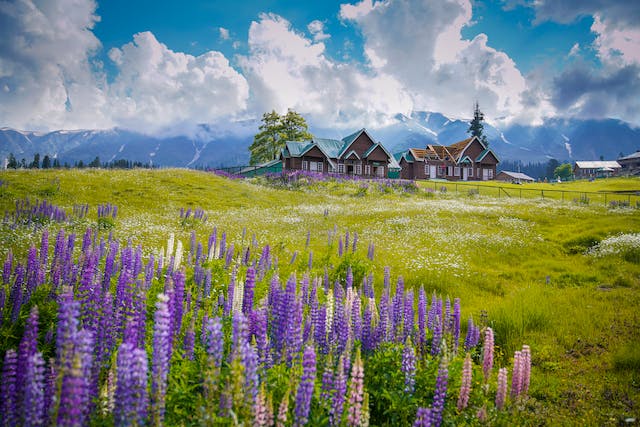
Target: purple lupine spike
433, 312
75, 392
109, 264
501, 393
28, 348
398, 309
326, 388
294, 331
455, 319
131, 399
371, 251
68, 313
310, 261
423, 418
251, 376
465, 386
340, 250
247, 256
223, 244
422, 317
149, 272
447, 316
106, 333
305, 387
408, 315
382, 332
320, 329
2, 303
161, 357
409, 366
214, 340
340, 330
34, 397
437, 336
189, 341
240, 335
348, 282
16, 292
178, 301
340, 391
306, 245
470, 339
356, 393
228, 304
51, 376
9, 402
356, 319
249, 286
346, 239
293, 257
259, 319
368, 339
440, 395
487, 353
229, 256
7, 268
516, 378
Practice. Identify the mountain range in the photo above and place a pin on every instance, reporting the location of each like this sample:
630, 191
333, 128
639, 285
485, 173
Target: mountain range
216, 146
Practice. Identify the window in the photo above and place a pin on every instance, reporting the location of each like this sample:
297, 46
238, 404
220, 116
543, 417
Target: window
490, 173
456, 171
359, 169
316, 166
450, 170
470, 171
442, 170
380, 171
305, 165
340, 167
426, 169
367, 169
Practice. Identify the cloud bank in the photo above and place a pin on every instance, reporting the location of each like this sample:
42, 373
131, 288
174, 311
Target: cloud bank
416, 59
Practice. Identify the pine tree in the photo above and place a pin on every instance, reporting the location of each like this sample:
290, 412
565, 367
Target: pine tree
476, 128
46, 162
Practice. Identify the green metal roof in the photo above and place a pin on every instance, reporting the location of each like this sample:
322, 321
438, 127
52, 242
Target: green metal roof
484, 153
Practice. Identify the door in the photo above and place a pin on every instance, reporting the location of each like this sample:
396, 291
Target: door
432, 171
465, 173
485, 174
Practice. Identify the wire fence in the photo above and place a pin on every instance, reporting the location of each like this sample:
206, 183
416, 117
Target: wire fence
610, 198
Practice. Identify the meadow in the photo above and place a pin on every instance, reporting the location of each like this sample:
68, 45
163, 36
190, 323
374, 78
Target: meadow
314, 301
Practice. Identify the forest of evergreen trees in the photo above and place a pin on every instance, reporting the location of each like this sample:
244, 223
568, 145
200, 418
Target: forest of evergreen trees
53, 163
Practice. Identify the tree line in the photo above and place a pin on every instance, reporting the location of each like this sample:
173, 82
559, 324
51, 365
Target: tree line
48, 162
551, 169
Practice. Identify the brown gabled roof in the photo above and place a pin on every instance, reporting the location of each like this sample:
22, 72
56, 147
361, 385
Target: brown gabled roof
456, 149
418, 153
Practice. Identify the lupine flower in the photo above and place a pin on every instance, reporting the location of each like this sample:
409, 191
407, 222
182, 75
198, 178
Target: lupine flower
161, 357
283, 410
305, 387
189, 341
465, 386
340, 391
409, 366
249, 285
26, 351
263, 410
501, 393
440, 395
473, 336
75, 395
487, 354
455, 319
408, 314
437, 336
131, 398
8, 404
516, 378
250, 361
422, 316
34, 398
423, 418
356, 392
525, 369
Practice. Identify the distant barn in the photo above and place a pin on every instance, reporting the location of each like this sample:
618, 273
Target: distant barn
596, 169
630, 164
514, 177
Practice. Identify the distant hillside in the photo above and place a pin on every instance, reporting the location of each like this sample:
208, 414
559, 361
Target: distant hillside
565, 140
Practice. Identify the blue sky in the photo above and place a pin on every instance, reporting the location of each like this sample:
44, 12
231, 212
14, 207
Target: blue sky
167, 66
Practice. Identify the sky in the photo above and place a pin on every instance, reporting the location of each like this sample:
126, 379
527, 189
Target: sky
158, 66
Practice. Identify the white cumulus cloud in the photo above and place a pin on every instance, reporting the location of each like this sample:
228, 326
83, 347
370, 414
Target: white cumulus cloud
420, 45
287, 70
156, 87
316, 28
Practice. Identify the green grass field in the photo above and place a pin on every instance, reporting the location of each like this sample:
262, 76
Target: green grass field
560, 276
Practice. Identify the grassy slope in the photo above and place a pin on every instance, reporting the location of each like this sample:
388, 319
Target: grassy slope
521, 261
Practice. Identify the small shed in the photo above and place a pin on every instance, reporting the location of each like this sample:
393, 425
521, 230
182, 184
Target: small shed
514, 177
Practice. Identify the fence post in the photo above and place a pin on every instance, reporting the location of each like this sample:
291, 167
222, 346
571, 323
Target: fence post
542, 192
605, 199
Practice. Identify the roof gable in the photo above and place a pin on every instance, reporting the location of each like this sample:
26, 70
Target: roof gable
350, 139
487, 152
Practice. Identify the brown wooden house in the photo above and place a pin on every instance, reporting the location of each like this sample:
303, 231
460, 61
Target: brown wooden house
357, 154
467, 160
